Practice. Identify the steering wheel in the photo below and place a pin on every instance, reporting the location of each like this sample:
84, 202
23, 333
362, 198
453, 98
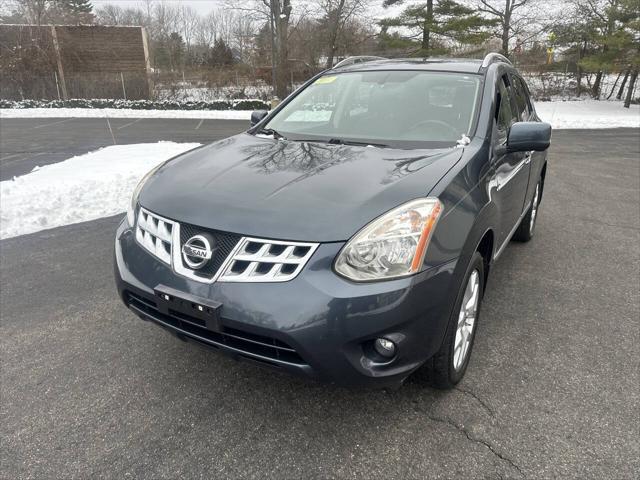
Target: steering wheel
443, 127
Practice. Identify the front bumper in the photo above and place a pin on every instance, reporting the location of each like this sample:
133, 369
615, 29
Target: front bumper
317, 325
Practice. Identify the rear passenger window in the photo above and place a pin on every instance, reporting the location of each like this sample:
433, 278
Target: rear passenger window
506, 114
522, 101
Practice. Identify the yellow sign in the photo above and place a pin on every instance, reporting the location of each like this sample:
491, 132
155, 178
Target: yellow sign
325, 80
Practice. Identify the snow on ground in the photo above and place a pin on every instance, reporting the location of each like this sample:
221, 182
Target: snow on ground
588, 114
201, 93
561, 114
97, 184
122, 113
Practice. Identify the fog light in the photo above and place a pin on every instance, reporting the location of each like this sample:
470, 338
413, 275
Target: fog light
384, 347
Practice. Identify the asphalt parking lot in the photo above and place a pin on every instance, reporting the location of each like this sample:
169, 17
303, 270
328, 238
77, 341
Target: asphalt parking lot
27, 142
553, 389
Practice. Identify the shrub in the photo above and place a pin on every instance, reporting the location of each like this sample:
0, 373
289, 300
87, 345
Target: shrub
251, 104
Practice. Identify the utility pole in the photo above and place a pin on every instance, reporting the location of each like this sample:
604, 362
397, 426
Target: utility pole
56, 47
272, 34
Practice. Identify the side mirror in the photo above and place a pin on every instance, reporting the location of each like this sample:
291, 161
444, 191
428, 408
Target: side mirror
527, 136
257, 116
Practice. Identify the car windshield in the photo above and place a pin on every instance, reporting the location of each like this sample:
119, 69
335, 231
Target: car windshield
401, 109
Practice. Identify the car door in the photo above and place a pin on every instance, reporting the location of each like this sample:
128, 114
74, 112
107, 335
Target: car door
527, 114
511, 169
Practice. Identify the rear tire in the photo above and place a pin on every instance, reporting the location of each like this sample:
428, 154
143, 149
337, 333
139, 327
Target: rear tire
449, 364
525, 231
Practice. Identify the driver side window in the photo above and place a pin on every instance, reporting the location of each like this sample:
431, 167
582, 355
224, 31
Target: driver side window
505, 112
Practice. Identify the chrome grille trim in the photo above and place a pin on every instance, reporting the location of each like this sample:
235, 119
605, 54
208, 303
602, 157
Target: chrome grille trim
260, 260
155, 234
251, 260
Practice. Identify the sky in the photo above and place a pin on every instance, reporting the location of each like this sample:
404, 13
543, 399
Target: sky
205, 6
201, 6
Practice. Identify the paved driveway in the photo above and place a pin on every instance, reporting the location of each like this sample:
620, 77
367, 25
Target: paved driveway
27, 142
89, 390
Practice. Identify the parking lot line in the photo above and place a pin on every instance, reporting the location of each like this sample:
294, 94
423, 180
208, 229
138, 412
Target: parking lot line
52, 123
128, 124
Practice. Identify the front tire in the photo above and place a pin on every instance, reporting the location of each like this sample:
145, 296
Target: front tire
449, 364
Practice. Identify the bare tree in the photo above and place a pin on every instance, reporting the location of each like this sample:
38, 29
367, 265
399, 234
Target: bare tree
631, 89
337, 14
165, 19
505, 12
244, 31
277, 15
227, 20
110, 14
34, 12
207, 29
187, 20
231, 26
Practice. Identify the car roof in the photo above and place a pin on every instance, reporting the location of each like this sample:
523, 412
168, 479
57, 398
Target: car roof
461, 65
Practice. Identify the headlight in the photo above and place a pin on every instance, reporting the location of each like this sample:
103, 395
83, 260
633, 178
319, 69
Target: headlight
133, 204
393, 245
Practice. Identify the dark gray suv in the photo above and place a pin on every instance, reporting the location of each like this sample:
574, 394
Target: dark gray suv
349, 234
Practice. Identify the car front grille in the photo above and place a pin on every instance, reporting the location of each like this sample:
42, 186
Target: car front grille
257, 347
234, 258
258, 260
155, 234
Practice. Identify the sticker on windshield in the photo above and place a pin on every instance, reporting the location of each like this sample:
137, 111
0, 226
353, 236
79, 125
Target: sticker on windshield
325, 80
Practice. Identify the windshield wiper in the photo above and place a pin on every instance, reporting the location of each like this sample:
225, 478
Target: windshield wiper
340, 141
333, 141
272, 132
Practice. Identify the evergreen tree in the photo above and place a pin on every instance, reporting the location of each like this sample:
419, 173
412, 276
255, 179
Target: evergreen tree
440, 23
603, 36
220, 54
175, 49
392, 43
75, 11
79, 6
169, 51
630, 43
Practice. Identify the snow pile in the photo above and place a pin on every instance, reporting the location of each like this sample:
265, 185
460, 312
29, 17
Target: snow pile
122, 113
199, 92
588, 114
86, 187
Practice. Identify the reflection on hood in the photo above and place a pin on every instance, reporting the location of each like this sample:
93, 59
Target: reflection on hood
292, 190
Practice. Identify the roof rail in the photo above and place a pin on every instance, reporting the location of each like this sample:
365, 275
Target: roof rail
494, 58
357, 59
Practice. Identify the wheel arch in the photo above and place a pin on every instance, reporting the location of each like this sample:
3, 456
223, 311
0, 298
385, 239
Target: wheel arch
481, 238
543, 174
485, 248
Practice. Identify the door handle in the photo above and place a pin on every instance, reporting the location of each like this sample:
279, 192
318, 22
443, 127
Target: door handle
527, 158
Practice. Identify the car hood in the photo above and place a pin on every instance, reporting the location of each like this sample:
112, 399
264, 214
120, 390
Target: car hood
291, 190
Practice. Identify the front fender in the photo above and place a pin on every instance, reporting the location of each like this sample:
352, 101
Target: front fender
469, 214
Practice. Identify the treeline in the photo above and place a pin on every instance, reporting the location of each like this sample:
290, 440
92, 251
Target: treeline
277, 44
283, 39
601, 36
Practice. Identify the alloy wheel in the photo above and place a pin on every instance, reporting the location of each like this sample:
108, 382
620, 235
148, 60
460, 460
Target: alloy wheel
534, 208
466, 320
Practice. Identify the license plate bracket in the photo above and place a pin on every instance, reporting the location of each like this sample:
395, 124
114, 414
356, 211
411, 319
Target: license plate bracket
203, 309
